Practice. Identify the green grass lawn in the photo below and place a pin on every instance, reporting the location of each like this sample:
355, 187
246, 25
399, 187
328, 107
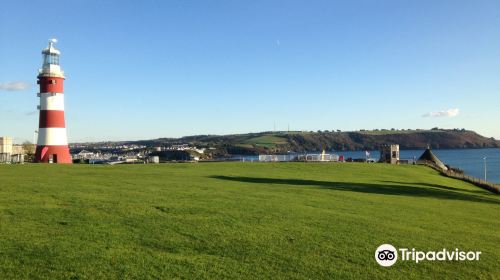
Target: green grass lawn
239, 220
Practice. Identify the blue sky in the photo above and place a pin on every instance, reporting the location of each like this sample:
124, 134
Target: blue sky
148, 69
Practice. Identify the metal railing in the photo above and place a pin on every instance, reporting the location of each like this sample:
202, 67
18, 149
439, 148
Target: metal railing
495, 188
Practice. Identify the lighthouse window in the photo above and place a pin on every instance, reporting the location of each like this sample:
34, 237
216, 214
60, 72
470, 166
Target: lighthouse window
51, 59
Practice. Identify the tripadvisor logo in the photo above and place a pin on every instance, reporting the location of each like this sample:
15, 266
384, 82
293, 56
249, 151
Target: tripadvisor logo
387, 255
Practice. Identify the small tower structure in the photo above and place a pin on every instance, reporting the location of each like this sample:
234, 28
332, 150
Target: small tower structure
389, 154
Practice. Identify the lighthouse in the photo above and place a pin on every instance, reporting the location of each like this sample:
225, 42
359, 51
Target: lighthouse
52, 144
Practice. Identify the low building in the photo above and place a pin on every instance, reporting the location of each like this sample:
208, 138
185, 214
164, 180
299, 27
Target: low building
154, 159
84, 154
6, 145
10, 153
18, 150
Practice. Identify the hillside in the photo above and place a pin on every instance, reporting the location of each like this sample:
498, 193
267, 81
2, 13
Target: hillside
282, 142
239, 221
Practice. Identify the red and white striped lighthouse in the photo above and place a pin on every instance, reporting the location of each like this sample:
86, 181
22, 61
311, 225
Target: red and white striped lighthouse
52, 145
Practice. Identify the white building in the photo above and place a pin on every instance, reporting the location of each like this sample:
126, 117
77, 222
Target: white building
10, 153
83, 154
5, 149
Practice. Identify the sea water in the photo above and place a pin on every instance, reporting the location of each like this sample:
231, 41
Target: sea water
471, 161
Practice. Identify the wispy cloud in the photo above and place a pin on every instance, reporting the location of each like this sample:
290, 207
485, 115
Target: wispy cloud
30, 113
14, 86
446, 113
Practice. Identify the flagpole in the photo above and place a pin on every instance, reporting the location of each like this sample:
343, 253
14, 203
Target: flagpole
485, 172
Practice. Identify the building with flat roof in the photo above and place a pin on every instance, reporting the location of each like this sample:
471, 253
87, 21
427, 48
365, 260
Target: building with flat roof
5, 145
10, 153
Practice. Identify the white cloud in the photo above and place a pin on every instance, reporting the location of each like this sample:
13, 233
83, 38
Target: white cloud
14, 86
447, 113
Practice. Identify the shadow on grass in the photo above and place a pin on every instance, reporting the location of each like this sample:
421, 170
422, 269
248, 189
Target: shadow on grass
478, 191
424, 190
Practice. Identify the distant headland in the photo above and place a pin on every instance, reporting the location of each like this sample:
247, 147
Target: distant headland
272, 142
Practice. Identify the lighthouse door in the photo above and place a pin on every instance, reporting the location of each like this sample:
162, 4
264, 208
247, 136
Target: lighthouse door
53, 158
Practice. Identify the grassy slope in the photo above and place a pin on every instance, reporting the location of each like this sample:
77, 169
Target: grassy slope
239, 220
388, 131
267, 140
